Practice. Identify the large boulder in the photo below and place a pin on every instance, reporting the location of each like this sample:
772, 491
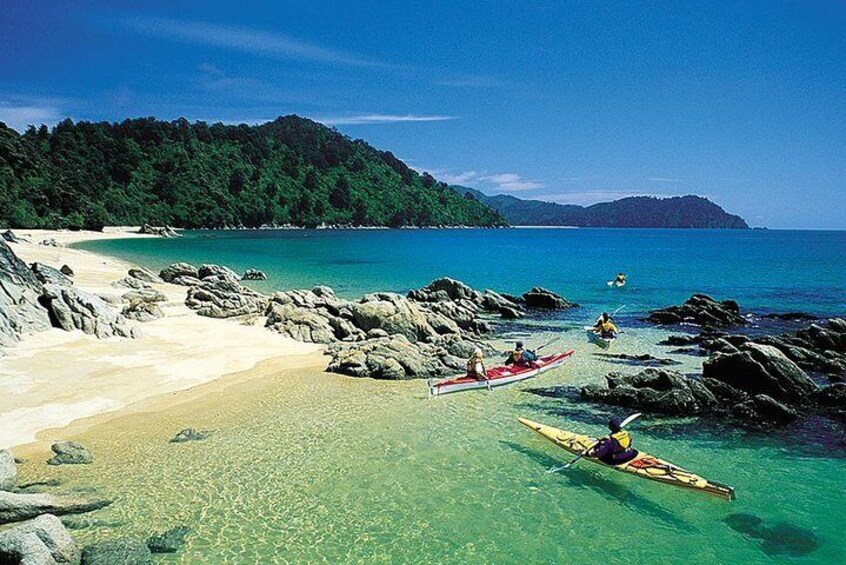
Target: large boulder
546, 299
206, 271
48, 275
171, 272
143, 274
392, 313
120, 551
653, 389
10, 236
764, 409
702, 310
142, 311
254, 275
8, 470
15, 507
72, 309
41, 541
223, 298
20, 312
760, 369
70, 453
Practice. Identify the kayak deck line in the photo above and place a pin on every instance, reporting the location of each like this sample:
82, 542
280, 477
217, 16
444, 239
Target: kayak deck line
500, 375
644, 465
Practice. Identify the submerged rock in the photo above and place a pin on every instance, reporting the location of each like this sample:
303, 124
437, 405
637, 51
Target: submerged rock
41, 541
170, 541
120, 551
701, 310
15, 507
191, 434
70, 453
644, 359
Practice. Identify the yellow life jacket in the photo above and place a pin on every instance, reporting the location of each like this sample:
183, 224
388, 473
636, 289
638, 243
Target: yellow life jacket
609, 327
516, 356
623, 438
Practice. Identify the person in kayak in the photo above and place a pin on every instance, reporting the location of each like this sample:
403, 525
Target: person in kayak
521, 356
617, 447
602, 319
620, 280
476, 366
605, 327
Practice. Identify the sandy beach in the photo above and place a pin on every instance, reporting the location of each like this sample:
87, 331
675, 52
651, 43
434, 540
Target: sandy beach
54, 378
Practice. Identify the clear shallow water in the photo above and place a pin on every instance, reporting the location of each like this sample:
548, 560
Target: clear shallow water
307, 467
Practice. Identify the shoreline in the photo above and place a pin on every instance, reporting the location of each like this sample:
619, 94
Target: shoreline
54, 379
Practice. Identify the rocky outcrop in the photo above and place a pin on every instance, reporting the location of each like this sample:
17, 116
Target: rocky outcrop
700, 310
653, 389
462, 304
144, 295
220, 298
72, 309
70, 453
15, 507
48, 275
8, 470
41, 541
142, 311
10, 237
163, 231
66, 270
20, 312
207, 271
130, 282
254, 275
144, 275
760, 369
191, 434
176, 270
546, 300
123, 551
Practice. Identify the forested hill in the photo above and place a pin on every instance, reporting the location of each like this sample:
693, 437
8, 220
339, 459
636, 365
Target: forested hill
193, 175
633, 212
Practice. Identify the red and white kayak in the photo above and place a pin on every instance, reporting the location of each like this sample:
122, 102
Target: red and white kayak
501, 375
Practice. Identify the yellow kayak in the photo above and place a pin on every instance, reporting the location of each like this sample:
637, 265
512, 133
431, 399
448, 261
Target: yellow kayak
644, 465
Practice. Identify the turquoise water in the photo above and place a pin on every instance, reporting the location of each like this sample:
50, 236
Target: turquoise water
329, 469
763, 270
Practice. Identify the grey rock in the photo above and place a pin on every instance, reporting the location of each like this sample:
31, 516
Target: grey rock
20, 311
702, 310
120, 551
15, 507
206, 271
143, 274
191, 434
8, 470
72, 309
48, 275
10, 236
171, 272
161, 231
186, 280
130, 282
760, 369
254, 275
832, 396
145, 295
70, 453
225, 299
67, 271
170, 541
546, 299
40, 541
50, 242
653, 389
142, 311
764, 409
392, 313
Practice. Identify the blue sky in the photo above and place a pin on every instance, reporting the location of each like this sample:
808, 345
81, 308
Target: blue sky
575, 102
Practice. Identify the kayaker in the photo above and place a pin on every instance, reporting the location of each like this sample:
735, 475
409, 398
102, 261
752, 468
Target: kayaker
602, 319
620, 280
521, 356
617, 447
608, 330
476, 366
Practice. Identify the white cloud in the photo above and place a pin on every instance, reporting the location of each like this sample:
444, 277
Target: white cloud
19, 116
511, 181
243, 39
366, 119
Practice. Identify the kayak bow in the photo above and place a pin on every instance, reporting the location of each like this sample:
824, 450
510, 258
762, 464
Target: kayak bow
500, 375
644, 465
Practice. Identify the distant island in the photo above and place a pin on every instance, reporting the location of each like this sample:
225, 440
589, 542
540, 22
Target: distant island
633, 212
291, 171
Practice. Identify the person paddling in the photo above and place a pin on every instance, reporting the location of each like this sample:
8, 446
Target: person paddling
617, 447
605, 327
476, 366
620, 280
521, 356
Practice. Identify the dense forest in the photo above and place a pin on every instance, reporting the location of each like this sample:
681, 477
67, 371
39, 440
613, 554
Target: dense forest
633, 212
193, 175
